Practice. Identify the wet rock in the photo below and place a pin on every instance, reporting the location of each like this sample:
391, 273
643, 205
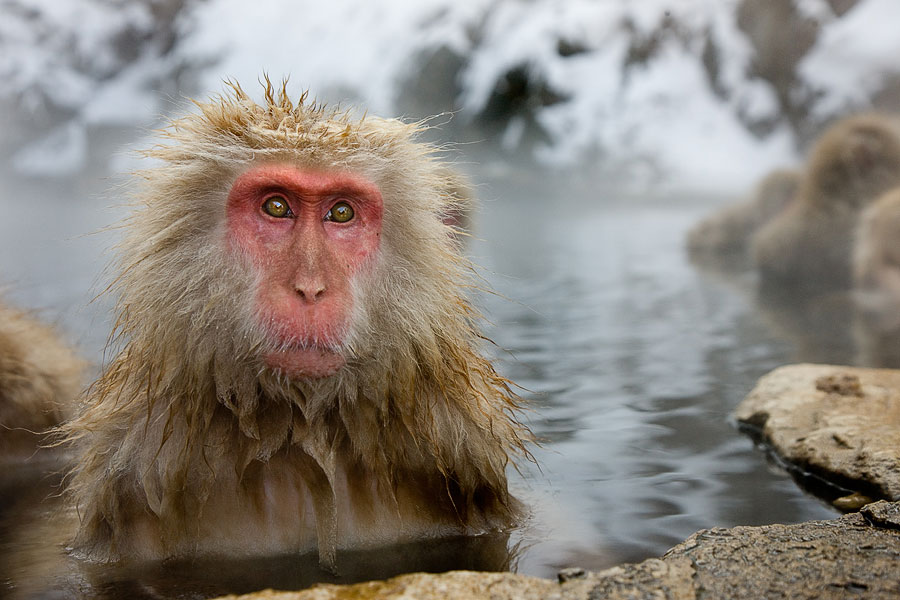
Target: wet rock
856, 554
851, 502
838, 423
571, 573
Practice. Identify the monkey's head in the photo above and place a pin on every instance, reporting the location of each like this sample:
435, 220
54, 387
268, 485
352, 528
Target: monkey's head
293, 242
877, 235
776, 191
854, 161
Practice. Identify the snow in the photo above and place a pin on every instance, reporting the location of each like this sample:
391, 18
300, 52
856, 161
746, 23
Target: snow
817, 10
695, 137
125, 99
342, 48
59, 50
663, 110
852, 56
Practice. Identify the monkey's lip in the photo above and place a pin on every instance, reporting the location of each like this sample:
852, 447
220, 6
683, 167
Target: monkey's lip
305, 361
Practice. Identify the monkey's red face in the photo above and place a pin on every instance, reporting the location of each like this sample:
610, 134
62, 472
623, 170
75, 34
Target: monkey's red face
308, 233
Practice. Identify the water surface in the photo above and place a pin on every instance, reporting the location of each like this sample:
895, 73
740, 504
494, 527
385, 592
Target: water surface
629, 358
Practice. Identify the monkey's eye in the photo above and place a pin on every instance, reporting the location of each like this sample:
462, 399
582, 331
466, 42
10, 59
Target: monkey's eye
340, 213
276, 206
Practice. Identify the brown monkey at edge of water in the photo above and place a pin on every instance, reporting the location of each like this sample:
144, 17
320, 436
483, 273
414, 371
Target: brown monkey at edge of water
40, 378
298, 367
876, 277
810, 244
730, 229
876, 257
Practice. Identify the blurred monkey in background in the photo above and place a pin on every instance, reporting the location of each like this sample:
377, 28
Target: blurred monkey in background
810, 244
40, 379
730, 230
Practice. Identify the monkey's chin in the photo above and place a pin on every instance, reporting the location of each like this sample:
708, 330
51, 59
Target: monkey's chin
305, 363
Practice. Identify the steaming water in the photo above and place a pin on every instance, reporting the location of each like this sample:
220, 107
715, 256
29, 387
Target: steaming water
630, 358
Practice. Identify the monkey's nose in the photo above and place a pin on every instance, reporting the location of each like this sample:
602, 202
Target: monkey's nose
311, 292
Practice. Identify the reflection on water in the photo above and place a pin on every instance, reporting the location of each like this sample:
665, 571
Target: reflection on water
631, 359
35, 565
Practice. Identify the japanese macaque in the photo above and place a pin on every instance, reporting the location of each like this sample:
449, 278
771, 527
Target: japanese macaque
298, 367
876, 257
810, 244
40, 378
876, 275
730, 229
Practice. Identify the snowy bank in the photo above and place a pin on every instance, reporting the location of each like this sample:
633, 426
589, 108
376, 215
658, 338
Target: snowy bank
698, 92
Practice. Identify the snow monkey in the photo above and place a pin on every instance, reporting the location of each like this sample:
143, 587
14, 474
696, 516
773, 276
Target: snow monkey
730, 229
810, 243
297, 368
40, 378
876, 258
876, 276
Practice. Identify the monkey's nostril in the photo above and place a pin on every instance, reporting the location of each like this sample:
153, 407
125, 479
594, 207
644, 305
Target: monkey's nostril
311, 293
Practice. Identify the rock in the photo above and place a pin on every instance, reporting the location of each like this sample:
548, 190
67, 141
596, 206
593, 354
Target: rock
571, 573
883, 514
851, 502
819, 559
855, 554
838, 423
454, 585
671, 578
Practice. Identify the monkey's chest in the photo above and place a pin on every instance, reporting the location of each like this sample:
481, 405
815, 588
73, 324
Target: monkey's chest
286, 507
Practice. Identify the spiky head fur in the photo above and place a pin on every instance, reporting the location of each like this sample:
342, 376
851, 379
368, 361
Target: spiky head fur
187, 403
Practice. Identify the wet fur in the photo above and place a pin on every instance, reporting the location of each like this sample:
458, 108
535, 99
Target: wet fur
189, 445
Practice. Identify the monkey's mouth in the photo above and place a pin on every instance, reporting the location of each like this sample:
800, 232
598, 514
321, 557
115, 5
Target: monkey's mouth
305, 360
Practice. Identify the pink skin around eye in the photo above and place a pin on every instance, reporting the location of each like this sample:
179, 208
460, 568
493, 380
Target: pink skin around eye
305, 263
